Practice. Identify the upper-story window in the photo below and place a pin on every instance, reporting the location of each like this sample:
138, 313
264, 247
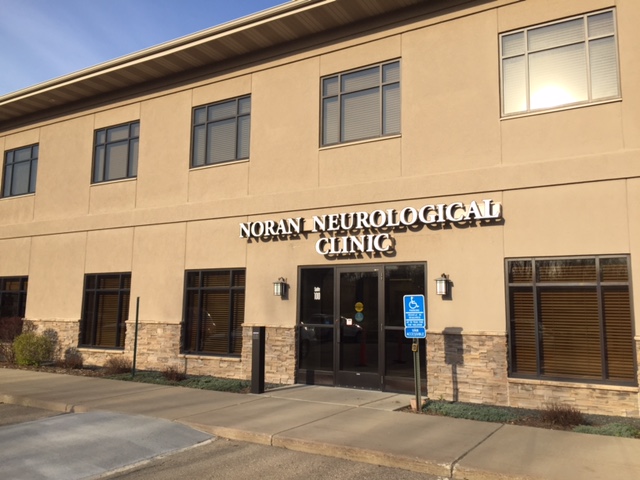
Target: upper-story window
571, 62
116, 152
20, 171
221, 132
361, 104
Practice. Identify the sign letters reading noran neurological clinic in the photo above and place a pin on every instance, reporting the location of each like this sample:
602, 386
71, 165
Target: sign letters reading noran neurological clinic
373, 241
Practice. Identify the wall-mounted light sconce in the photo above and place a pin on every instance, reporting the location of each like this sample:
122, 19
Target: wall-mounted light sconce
442, 285
280, 287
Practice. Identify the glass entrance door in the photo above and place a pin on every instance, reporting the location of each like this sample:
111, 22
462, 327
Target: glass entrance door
358, 327
351, 326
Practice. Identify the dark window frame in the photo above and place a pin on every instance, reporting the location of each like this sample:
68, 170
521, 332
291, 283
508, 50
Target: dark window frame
92, 327
546, 299
196, 337
21, 293
343, 93
100, 168
9, 175
241, 119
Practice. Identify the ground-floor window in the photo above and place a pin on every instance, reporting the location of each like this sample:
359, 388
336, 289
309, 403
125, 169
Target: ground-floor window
105, 310
570, 318
13, 300
214, 312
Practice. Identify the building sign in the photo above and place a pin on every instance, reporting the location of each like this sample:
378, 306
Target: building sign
368, 232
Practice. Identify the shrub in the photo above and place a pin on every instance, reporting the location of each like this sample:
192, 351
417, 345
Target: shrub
52, 335
10, 328
32, 349
611, 429
72, 359
116, 365
218, 384
467, 411
562, 415
174, 374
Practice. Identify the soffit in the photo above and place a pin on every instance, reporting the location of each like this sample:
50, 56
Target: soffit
279, 25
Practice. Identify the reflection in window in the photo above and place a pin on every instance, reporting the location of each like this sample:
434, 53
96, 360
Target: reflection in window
566, 63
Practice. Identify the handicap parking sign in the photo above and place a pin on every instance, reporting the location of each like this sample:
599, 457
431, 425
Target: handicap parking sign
415, 321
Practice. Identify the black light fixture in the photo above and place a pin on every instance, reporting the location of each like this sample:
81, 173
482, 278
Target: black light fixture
442, 285
280, 287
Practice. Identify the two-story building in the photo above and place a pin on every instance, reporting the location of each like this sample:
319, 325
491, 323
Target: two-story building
347, 153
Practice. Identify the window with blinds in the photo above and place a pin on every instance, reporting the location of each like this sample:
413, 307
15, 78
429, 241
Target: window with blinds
20, 171
116, 152
214, 312
570, 62
105, 310
571, 319
361, 104
221, 132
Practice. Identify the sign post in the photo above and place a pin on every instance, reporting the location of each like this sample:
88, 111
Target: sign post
415, 327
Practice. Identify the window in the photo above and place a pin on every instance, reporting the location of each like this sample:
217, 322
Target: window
214, 312
13, 300
20, 171
105, 310
565, 63
571, 319
116, 152
361, 104
13, 297
221, 132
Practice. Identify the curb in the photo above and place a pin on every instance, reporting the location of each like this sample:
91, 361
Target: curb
373, 457
43, 404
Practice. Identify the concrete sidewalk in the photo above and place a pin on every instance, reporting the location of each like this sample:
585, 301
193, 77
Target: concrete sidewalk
345, 423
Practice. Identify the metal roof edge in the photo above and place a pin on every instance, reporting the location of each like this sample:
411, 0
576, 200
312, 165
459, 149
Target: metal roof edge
270, 14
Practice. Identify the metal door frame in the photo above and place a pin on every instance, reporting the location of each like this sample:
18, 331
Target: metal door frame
349, 378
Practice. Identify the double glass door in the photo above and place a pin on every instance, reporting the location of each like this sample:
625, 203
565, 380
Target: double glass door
351, 326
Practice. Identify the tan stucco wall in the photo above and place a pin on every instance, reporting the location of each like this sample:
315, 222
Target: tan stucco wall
569, 181
56, 277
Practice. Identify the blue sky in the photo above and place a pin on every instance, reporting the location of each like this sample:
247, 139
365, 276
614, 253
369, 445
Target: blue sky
44, 39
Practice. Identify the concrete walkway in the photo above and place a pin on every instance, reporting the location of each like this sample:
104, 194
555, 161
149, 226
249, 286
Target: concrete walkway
345, 423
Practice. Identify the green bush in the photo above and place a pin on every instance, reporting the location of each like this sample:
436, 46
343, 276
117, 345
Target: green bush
33, 349
611, 429
467, 411
218, 384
